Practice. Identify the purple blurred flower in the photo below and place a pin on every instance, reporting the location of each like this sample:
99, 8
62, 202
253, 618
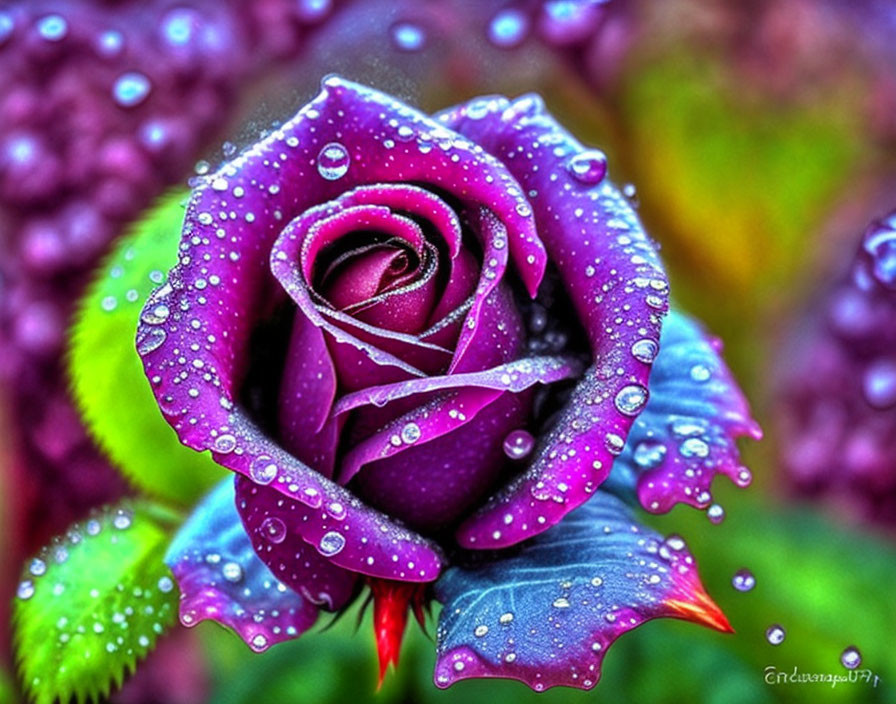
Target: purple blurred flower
367, 305
839, 387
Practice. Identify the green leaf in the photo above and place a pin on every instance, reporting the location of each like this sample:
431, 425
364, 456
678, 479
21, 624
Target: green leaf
92, 604
107, 377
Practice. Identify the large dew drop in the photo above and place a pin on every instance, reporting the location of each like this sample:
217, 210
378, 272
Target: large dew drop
332, 543
743, 580
631, 399
333, 161
588, 167
775, 634
851, 658
518, 444
273, 529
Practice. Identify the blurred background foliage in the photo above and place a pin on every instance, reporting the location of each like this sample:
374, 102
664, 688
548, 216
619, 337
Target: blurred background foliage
760, 139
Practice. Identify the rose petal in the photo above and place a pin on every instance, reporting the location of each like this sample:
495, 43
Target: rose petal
272, 525
221, 578
687, 433
431, 482
547, 613
307, 390
613, 276
345, 531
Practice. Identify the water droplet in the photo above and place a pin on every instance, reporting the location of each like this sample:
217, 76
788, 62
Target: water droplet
37, 567
480, 631
259, 642
508, 28
225, 443
715, 513
700, 373
407, 36
333, 161
7, 25
313, 10
232, 571
150, 340
775, 634
25, 589
631, 399
165, 584
156, 314
122, 519
332, 543
743, 580
851, 658
588, 167
263, 470
518, 444
505, 618
53, 28
273, 529
694, 447
410, 433
645, 350
614, 443
131, 89
649, 454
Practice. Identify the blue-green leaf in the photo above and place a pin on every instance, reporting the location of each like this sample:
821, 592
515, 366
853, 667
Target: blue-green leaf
92, 604
107, 378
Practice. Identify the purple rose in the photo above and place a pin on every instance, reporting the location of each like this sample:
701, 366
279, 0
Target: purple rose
411, 337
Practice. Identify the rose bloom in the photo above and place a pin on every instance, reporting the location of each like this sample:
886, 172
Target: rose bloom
419, 342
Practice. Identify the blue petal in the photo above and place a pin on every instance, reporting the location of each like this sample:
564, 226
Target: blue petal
687, 432
221, 578
546, 614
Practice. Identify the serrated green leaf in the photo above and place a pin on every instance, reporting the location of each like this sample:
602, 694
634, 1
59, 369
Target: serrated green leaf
107, 378
91, 605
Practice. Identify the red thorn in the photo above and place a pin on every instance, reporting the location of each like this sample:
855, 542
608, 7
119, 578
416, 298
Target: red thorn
700, 608
391, 600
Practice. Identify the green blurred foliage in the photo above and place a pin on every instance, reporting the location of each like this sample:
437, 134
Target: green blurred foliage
106, 374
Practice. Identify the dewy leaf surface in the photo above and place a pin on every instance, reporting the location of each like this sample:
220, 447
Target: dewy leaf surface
92, 604
107, 378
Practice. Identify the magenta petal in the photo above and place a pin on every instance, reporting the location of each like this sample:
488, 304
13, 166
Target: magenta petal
221, 578
612, 273
307, 390
433, 481
272, 523
348, 533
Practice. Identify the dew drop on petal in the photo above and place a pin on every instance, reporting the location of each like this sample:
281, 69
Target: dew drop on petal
775, 634
631, 399
851, 658
263, 470
151, 340
333, 161
518, 444
879, 383
743, 580
37, 567
273, 529
225, 443
649, 454
588, 167
332, 543
410, 433
232, 572
645, 350
53, 28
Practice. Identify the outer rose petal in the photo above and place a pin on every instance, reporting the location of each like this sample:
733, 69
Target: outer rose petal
687, 433
221, 578
613, 276
547, 613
